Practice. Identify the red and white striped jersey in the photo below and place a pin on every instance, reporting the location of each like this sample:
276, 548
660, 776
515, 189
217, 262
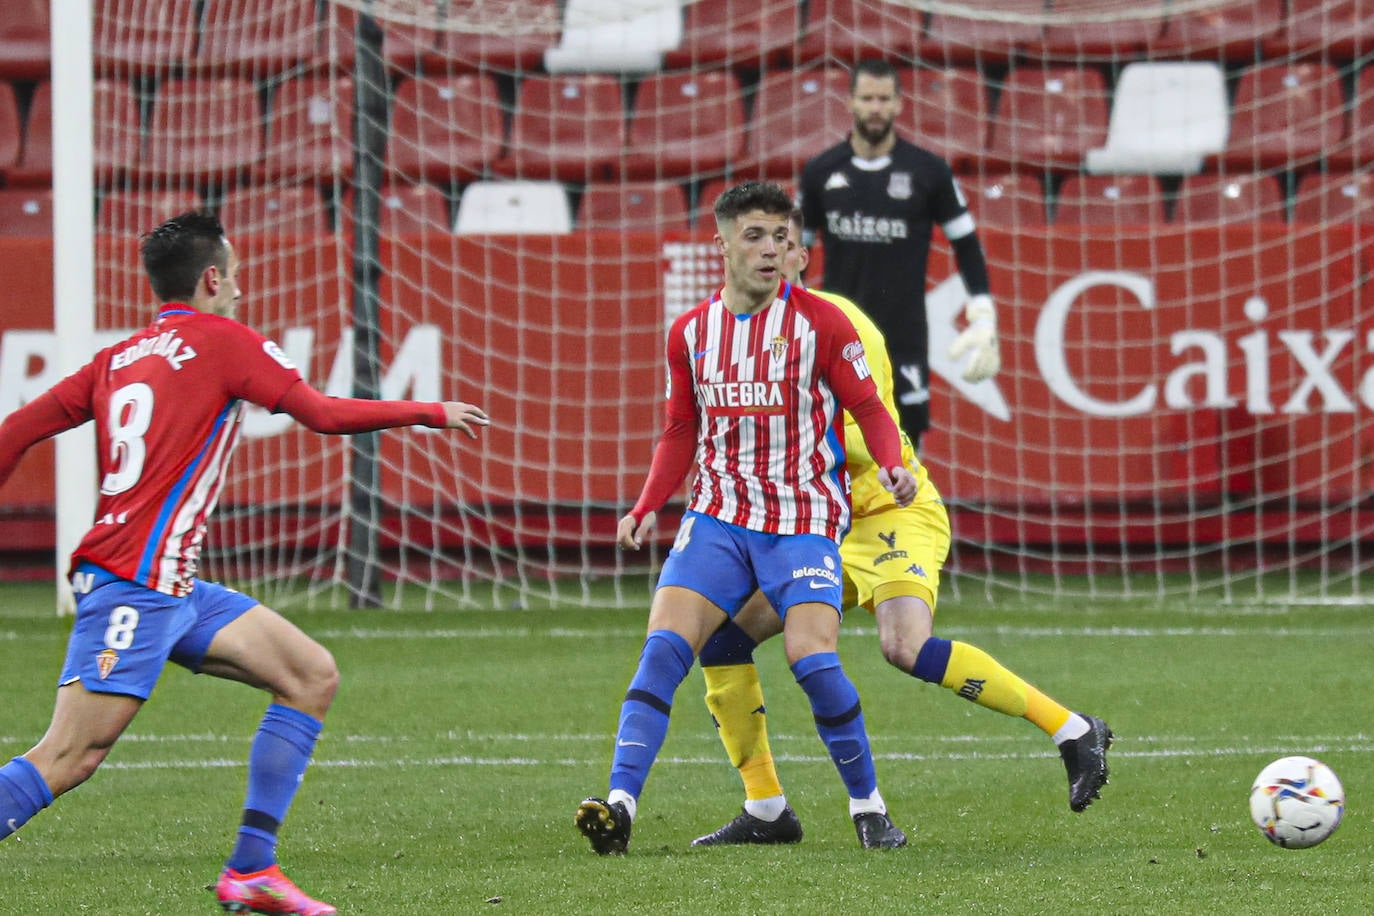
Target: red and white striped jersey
765, 393
166, 404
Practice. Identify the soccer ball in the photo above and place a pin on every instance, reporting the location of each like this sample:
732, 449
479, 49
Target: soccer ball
1297, 802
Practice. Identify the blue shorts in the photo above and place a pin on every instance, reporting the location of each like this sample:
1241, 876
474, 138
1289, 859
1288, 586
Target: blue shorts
726, 563
124, 632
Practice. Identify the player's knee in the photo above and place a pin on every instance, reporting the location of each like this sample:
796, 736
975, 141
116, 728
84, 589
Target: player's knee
316, 682
901, 648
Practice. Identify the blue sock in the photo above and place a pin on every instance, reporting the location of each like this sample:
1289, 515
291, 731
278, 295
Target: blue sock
23, 793
281, 751
729, 645
932, 660
839, 720
663, 664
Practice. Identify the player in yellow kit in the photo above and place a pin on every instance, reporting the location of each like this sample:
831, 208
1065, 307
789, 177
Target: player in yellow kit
892, 558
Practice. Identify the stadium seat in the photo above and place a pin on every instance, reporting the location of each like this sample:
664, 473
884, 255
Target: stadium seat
845, 31
1166, 117
499, 43
1285, 116
567, 128
1233, 32
132, 213
615, 36
1109, 200
797, 114
1336, 31
1239, 198
143, 38
960, 40
1094, 38
405, 209
445, 127
635, 206
946, 111
1049, 117
685, 124
11, 135
513, 208
736, 33
183, 142
1009, 201
26, 212
257, 39
406, 46
25, 40
35, 156
1358, 150
310, 130
278, 210
118, 137
1335, 197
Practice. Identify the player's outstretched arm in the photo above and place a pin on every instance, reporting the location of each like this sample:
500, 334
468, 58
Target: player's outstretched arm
343, 416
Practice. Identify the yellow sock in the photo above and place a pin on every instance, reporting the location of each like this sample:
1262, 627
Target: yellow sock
735, 698
977, 676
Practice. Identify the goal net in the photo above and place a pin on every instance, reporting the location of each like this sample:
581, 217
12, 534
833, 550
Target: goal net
507, 202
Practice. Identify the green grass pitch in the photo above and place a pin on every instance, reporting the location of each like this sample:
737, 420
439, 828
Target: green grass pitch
461, 743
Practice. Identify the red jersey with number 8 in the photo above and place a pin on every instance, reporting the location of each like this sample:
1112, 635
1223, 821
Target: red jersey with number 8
166, 404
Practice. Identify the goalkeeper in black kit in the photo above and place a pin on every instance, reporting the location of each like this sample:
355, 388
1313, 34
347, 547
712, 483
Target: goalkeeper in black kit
873, 200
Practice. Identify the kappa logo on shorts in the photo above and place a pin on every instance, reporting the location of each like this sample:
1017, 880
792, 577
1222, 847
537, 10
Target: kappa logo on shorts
106, 661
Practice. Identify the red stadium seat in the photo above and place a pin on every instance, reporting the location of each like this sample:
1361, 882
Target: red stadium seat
568, 127
35, 157
257, 38
945, 111
1337, 31
797, 114
289, 210
844, 31
25, 40
1009, 201
406, 46
183, 142
26, 212
498, 46
737, 33
1358, 151
118, 136
11, 135
960, 40
310, 130
1335, 197
1233, 31
1239, 198
132, 213
685, 124
634, 206
143, 38
1285, 116
1109, 200
1049, 118
445, 127
1095, 39
404, 209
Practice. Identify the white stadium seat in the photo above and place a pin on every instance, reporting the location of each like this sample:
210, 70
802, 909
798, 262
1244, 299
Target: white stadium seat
513, 208
615, 36
1167, 118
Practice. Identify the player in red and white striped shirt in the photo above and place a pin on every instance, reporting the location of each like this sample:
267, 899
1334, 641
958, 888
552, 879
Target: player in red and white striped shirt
758, 376
166, 404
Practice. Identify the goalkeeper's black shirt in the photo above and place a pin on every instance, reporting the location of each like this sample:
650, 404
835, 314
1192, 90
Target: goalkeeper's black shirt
875, 220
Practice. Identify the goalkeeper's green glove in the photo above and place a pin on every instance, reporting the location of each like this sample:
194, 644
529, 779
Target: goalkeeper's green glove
980, 336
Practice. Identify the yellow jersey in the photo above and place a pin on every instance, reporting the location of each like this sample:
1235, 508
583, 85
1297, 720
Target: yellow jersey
867, 494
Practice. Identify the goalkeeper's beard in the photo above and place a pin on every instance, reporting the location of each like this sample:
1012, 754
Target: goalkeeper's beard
872, 135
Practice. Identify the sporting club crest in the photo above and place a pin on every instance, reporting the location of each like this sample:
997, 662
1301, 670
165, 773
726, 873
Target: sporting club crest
899, 186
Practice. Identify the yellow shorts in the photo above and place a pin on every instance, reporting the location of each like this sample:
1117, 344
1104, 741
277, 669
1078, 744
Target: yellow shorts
896, 552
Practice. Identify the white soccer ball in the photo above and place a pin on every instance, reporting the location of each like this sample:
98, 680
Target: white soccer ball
1297, 802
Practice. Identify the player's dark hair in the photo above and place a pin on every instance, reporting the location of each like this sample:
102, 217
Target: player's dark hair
751, 195
176, 253
878, 69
